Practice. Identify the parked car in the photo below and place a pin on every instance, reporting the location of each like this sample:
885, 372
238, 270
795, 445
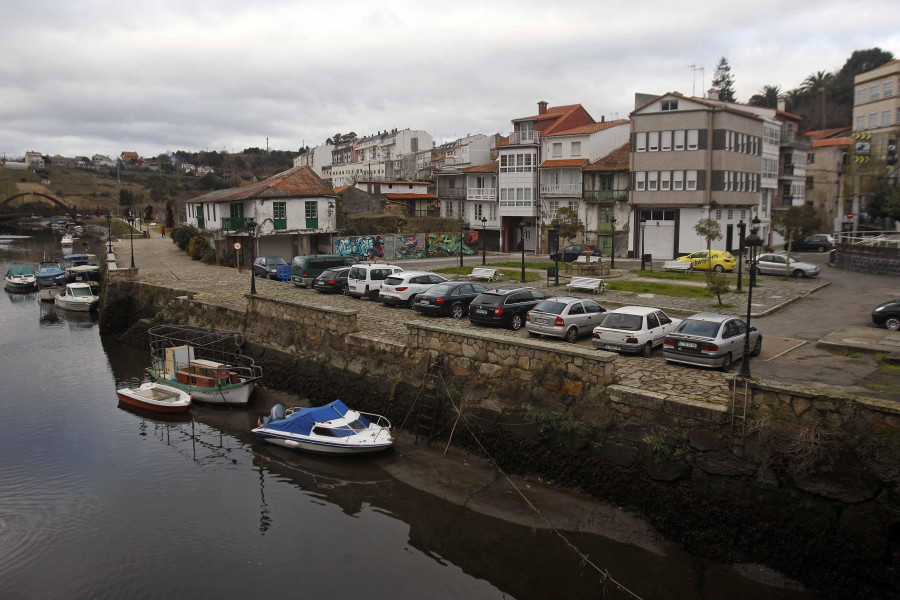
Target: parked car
504, 307
887, 315
364, 280
721, 260
449, 298
332, 281
820, 242
267, 266
633, 329
402, 288
710, 340
564, 317
775, 264
570, 253
305, 268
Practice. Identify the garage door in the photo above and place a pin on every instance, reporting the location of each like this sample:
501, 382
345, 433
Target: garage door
659, 233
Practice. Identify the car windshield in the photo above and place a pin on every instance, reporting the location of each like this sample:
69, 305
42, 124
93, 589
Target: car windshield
551, 306
699, 328
393, 281
623, 321
442, 289
489, 299
276, 261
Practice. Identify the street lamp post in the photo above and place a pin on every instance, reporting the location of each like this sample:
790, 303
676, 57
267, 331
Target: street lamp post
460, 246
554, 226
251, 229
522, 232
742, 227
643, 227
108, 233
483, 240
753, 242
131, 235
612, 251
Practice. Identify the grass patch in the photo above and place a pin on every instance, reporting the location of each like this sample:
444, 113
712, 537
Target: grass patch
670, 275
662, 289
509, 275
528, 265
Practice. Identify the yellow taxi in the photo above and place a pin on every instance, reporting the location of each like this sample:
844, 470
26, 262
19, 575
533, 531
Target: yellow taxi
719, 260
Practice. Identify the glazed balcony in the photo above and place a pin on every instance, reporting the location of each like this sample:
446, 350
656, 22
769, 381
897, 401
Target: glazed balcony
482, 194
519, 138
561, 189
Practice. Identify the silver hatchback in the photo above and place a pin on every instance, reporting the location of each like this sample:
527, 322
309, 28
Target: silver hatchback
710, 340
777, 264
564, 317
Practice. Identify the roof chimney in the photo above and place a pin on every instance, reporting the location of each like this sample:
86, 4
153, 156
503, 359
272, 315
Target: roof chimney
542, 107
603, 118
781, 104
712, 94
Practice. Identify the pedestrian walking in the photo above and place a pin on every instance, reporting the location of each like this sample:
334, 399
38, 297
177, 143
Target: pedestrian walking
163, 231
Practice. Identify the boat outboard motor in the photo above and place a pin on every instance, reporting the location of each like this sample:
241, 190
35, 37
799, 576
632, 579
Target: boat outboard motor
276, 414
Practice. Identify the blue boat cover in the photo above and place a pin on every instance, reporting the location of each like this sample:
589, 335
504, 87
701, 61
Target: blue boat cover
50, 272
302, 421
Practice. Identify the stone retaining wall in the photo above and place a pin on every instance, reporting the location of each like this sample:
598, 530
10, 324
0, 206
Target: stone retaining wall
878, 260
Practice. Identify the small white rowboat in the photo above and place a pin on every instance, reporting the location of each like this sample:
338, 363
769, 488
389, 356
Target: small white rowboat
156, 397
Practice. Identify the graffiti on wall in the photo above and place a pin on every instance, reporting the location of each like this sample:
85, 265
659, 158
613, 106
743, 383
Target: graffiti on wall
448, 244
361, 247
410, 246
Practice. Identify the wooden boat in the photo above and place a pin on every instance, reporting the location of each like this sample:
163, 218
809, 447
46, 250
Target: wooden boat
20, 279
329, 429
156, 397
77, 296
205, 363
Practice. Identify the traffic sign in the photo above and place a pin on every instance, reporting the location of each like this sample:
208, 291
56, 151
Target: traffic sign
849, 216
237, 245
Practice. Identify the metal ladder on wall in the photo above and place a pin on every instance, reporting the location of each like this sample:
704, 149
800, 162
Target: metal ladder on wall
740, 400
428, 403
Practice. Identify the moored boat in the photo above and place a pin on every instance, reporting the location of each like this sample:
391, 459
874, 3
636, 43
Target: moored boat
330, 429
156, 397
77, 296
50, 273
20, 279
205, 363
66, 240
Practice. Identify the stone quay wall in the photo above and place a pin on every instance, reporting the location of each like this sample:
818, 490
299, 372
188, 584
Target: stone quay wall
878, 260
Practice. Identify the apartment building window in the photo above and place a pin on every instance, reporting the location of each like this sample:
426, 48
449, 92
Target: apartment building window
810, 158
743, 187
873, 120
652, 180
875, 93
576, 148
679, 140
861, 95
810, 183
885, 118
640, 183
573, 205
888, 89
718, 214
640, 142
691, 180
727, 183
670, 105
743, 214
653, 141
678, 180
461, 209
557, 149
773, 135
479, 211
730, 214
729, 140
665, 180
693, 137
554, 207
860, 122
666, 141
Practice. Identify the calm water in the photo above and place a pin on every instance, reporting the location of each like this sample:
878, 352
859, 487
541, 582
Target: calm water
97, 501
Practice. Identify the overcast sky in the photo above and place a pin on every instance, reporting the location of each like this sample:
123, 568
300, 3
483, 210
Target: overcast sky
86, 77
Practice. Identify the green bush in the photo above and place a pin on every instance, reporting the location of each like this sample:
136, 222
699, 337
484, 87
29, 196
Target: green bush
208, 256
184, 234
196, 246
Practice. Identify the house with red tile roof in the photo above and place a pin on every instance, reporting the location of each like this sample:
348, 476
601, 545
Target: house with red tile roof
291, 213
606, 184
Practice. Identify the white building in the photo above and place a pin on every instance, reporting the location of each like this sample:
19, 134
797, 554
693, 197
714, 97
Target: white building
318, 158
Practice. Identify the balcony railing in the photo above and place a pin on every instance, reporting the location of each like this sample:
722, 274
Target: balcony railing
606, 195
561, 189
451, 192
234, 223
482, 194
524, 137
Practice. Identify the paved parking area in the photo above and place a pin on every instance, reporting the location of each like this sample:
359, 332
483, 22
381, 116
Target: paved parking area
789, 328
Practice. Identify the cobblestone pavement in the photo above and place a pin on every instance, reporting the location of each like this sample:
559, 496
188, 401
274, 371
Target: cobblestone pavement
160, 262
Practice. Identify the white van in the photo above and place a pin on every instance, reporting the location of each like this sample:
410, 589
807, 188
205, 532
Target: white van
364, 281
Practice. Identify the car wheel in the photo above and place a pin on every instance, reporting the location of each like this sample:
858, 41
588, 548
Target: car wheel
719, 269
411, 303
515, 323
345, 291
798, 273
892, 323
726, 363
572, 335
757, 347
821, 249
456, 311
647, 350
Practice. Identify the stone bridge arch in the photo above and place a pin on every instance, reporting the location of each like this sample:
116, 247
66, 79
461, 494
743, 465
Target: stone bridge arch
71, 211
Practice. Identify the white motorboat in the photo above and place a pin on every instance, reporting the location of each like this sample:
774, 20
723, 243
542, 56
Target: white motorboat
330, 429
77, 296
67, 240
157, 397
20, 279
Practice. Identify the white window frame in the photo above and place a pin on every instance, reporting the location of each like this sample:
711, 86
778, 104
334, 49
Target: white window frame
665, 181
693, 139
677, 181
718, 216
730, 214
860, 122
640, 142
652, 181
576, 149
729, 141
875, 92
861, 95
873, 121
653, 141
678, 142
640, 183
885, 118
888, 88
665, 142
690, 179
557, 149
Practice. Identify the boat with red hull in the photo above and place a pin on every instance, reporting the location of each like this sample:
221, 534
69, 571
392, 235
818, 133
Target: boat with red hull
156, 397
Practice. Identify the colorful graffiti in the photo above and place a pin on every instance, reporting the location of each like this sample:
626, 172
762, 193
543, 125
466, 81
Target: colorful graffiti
447, 244
410, 246
362, 247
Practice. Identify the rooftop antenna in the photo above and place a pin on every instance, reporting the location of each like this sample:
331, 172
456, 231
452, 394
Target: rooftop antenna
693, 67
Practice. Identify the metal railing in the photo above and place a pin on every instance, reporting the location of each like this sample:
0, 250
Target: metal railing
606, 195
888, 239
451, 192
482, 194
525, 137
561, 189
234, 223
